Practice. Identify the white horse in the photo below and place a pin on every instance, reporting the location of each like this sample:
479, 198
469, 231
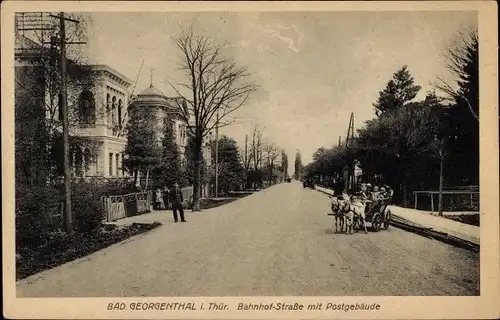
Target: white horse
339, 208
337, 213
356, 208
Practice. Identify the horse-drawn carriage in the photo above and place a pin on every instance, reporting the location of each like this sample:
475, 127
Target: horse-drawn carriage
377, 214
352, 212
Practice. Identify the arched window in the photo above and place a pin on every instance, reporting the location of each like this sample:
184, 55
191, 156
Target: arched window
120, 113
86, 107
113, 110
108, 108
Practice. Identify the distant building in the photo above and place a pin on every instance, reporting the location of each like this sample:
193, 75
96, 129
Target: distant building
165, 110
168, 111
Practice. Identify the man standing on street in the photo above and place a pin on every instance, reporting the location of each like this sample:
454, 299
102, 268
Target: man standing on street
177, 200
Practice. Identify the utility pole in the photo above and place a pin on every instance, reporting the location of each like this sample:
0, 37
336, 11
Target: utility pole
350, 130
68, 218
29, 22
217, 155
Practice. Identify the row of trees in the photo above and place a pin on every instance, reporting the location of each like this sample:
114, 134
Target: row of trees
417, 145
237, 169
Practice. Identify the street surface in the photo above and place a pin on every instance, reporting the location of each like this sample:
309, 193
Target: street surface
276, 242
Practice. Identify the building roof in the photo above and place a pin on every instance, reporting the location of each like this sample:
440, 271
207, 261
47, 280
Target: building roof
151, 91
108, 69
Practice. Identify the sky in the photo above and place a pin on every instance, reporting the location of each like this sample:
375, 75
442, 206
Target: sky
313, 68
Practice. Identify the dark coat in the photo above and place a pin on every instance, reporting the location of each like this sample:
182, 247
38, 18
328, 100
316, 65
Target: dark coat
176, 196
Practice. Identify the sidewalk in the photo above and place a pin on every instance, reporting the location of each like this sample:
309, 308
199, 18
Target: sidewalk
426, 220
162, 216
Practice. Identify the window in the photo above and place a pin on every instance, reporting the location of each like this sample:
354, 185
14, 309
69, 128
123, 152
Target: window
120, 113
113, 110
86, 107
123, 168
110, 164
108, 108
117, 164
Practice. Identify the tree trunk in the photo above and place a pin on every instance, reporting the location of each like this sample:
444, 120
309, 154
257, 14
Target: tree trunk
197, 175
440, 201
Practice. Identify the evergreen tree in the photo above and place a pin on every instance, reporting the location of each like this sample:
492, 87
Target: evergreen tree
298, 166
169, 171
463, 113
398, 92
229, 166
284, 163
142, 150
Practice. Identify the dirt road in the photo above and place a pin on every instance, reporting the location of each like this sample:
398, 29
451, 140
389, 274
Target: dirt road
276, 242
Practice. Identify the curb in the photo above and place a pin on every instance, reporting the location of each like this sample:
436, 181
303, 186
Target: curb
430, 233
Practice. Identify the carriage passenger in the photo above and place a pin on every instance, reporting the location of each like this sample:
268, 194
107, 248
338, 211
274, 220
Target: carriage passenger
375, 195
383, 193
363, 193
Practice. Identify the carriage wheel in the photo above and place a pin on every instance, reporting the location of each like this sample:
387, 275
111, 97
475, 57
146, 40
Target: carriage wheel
376, 222
387, 220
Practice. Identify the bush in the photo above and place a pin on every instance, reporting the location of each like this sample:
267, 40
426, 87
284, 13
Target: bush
36, 210
87, 207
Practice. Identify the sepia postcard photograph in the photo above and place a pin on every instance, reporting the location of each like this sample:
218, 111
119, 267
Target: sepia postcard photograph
206, 160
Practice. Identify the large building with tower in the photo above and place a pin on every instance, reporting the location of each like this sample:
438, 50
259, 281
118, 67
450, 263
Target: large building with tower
163, 110
99, 104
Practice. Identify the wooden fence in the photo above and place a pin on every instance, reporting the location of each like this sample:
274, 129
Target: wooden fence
118, 207
187, 194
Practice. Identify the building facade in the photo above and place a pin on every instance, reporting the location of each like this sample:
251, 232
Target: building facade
97, 99
163, 110
102, 114
99, 103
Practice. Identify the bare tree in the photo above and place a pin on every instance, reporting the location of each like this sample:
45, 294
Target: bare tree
256, 148
246, 159
437, 148
272, 153
216, 88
